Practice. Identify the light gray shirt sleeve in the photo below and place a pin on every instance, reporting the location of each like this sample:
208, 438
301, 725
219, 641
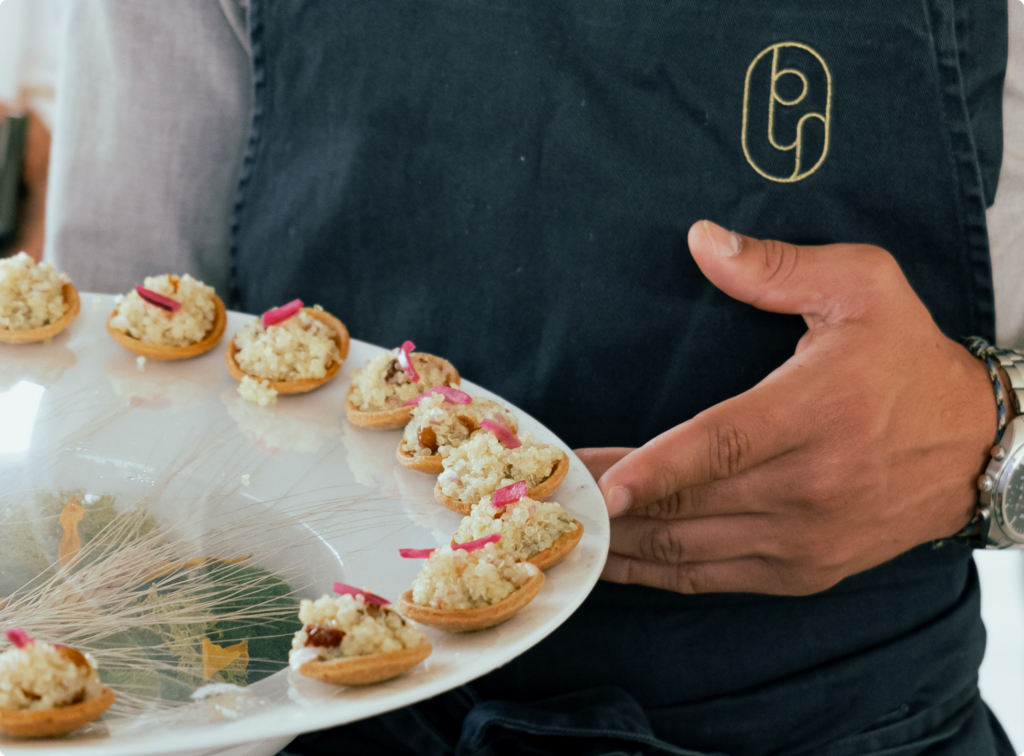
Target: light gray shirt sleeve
1006, 216
154, 104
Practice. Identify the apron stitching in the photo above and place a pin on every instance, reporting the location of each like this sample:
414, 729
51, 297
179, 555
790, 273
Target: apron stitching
252, 148
963, 157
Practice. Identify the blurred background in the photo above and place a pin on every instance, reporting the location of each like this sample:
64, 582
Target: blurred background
31, 33
30, 39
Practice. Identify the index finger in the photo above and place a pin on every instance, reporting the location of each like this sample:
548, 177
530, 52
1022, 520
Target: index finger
719, 443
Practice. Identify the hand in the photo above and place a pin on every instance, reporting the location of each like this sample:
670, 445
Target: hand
865, 443
31, 218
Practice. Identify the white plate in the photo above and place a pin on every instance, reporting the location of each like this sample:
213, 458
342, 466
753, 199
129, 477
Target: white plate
78, 414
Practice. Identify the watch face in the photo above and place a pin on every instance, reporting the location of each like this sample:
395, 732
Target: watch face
1013, 504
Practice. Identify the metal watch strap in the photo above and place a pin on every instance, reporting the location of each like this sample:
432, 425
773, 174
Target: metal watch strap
993, 531
986, 529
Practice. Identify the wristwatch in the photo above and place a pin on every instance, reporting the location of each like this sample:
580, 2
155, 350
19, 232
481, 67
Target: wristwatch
999, 523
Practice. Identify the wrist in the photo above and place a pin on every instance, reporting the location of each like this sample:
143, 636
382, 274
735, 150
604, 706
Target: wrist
998, 521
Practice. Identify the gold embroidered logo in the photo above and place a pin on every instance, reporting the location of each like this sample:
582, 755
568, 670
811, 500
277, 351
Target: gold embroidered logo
808, 145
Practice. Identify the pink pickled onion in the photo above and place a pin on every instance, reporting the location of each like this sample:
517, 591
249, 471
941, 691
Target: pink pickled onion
509, 495
508, 438
405, 360
282, 313
350, 590
415, 553
450, 394
19, 637
479, 543
158, 300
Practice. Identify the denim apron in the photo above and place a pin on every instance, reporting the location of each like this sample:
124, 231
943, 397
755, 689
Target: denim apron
509, 183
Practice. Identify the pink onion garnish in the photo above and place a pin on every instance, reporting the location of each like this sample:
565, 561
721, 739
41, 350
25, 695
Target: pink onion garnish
350, 590
158, 300
450, 394
282, 313
479, 543
508, 438
415, 553
509, 495
19, 637
405, 361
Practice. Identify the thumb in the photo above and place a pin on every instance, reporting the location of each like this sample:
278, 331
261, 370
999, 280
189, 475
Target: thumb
787, 278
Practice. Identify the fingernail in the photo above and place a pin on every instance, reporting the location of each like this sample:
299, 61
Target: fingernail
618, 501
724, 243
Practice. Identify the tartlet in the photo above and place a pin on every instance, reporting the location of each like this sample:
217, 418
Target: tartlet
36, 302
301, 385
541, 533
432, 465
541, 491
30, 335
477, 618
48, 723
388, 418
439, 424
50, 690
157, 351
356, 638
367, 670
559, 550
469, 586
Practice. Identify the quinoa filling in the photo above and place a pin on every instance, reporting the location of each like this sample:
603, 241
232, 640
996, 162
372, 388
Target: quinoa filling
343, 626
438, 426
298, 348
155, 325
257, 392
41, 676
382, 384
458, 579
31, 296
482, 465
526, 527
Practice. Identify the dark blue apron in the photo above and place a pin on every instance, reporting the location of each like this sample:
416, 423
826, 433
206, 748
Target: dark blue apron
509, 183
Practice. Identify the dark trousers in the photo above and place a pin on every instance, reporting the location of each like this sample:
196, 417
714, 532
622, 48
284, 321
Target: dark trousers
608, 722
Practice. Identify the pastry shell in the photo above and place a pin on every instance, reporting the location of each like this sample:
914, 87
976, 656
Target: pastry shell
434, 464
399, 416
29, 335
479, 618
559, 550
302, 385
369, 669
45, 723
541, 491
164, 352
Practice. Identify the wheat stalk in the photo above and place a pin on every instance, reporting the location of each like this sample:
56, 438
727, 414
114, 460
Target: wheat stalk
131, 576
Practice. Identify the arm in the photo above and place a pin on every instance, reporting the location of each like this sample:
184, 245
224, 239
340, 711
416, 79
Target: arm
865, 443
32, 197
